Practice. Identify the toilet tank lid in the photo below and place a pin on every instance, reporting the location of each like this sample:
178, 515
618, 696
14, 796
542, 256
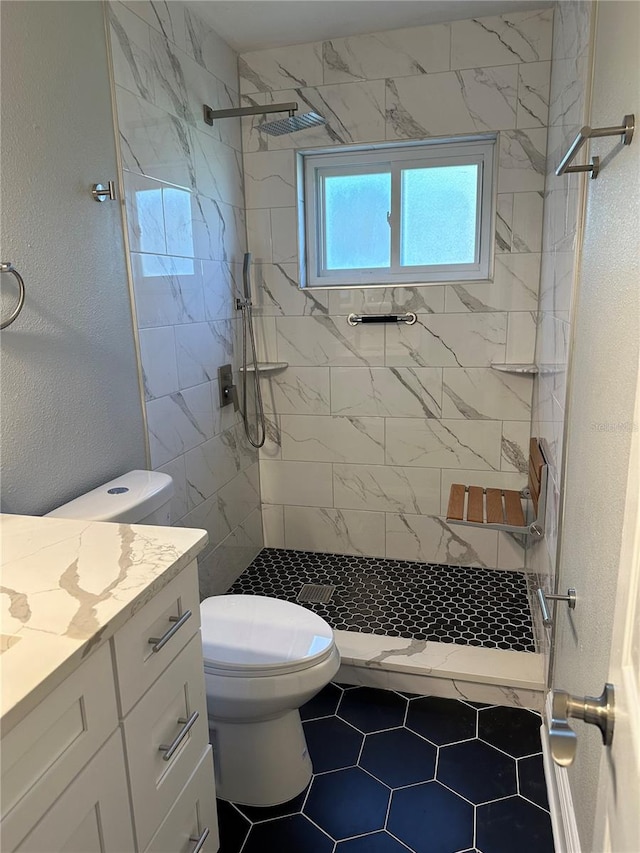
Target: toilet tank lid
128, 498
255, 632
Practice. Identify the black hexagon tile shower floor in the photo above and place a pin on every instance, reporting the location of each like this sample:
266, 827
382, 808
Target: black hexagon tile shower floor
396, 598
396, 773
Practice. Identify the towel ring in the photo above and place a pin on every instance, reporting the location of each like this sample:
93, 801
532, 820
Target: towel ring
7, 266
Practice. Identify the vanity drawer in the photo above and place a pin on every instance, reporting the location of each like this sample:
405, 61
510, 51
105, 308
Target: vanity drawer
165, 620
166, 735
46, 750
93, 814
192, 816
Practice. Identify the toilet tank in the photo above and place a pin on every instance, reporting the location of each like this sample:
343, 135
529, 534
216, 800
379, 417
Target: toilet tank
139, 497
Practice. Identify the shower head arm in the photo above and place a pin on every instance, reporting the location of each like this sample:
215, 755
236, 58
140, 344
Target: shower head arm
211, 115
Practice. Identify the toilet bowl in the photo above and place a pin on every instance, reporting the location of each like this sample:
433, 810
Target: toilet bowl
263, 659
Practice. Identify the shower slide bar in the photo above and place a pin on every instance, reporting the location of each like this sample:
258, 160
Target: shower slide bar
625, 130
355, 319
502, 509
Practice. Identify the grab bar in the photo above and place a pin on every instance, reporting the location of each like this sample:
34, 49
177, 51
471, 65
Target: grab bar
355, 319
7, 266
625, 130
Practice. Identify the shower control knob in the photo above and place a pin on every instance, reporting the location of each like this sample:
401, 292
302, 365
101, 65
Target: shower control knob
228, 391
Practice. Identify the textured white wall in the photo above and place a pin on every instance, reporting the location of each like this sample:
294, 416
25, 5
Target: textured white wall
71, 411
601, 393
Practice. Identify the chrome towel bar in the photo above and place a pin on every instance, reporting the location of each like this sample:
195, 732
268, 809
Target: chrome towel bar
625, 130
355, 319
7, 266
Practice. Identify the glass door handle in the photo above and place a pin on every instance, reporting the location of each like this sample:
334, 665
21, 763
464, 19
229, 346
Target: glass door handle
595, 710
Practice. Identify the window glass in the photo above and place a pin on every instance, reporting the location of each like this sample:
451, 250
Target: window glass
356, 225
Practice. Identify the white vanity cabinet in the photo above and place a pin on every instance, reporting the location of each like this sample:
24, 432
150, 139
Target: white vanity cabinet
116, 758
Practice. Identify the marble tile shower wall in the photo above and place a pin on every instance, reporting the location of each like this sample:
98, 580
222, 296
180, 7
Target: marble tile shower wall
184, 200
568, 112
371, 425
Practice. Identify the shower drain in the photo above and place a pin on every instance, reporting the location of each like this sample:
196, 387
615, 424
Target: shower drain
316, 593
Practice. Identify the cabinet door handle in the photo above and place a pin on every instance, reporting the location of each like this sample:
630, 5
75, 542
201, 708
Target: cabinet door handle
200, 841
160, 642
169, 749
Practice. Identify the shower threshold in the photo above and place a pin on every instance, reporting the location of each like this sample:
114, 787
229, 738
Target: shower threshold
451, 631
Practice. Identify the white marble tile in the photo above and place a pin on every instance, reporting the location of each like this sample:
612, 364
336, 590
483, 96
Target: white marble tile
485, 394
443, 443
522, 160
296, 483
130, 52
334, 531
179, 422
511, 554
201, 348
259, 236
240, 497
281, 68
385, 488
299, 391
165, 16
504, 222
209, 50
272, 447
153, 142
219, 570
273, 525
218, 170
145, 213
514, 287
219, 96
527, 222
487, 479
533, 94
515, 446
218, 230
215, 463
284, 231
511, 38
389, 300
220, 286
269, 179
158, 358
521, 337
167, 290
277, 293
170, 84
320, 340
395, 53
478, 99
429, 539
317, 438
572, 24
388, 392
448, 339
175, 469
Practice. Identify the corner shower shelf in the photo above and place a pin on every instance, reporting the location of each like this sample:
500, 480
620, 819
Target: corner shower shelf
530, 369
267, 367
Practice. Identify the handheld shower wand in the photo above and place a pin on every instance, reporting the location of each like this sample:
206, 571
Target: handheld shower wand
245, 306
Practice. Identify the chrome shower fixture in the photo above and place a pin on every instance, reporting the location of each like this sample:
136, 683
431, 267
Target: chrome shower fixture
279, 127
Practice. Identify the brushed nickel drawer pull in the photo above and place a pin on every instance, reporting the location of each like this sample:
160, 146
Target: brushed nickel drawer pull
200, 841
159, 642
169, 749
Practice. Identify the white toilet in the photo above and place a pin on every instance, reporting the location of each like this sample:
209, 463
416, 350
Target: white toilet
263, 659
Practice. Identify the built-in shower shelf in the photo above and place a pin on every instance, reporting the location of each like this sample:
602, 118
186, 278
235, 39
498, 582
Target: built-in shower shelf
530, 369
267, 367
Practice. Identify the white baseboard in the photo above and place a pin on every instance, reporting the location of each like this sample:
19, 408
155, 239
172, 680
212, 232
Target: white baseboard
563, 818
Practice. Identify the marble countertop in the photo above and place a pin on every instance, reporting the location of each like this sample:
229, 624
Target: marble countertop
67, 586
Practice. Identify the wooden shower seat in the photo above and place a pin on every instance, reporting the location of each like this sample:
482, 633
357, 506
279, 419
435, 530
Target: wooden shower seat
504, 509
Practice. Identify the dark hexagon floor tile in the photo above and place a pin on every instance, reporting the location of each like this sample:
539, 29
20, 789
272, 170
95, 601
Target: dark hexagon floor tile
430, 819
513, 730
347, 803
233, 828
513, 824
287, 835
442, 721
375, 842
256, 814
398, 757
332, 743
372, 710
324, 704
477, 771
533, 785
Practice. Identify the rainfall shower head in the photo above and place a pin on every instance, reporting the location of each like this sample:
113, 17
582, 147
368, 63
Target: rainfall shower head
291, 124
279, 127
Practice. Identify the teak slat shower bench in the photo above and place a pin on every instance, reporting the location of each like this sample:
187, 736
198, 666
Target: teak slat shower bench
504, 509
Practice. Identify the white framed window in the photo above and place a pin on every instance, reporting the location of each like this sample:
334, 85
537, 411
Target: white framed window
399, 213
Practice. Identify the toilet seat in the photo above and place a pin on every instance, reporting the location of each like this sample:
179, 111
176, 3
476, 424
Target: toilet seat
253, 635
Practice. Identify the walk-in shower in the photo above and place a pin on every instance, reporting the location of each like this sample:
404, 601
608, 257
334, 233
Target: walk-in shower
279, 127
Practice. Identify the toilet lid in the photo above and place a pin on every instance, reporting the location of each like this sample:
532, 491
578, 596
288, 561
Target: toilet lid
255, 634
